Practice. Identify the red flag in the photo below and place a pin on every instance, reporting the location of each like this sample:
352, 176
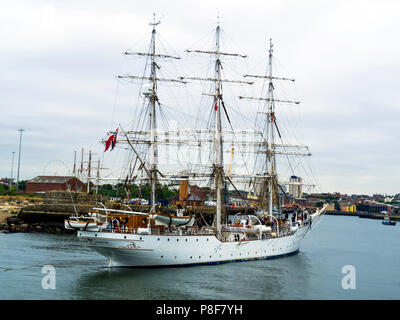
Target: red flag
112, 140
216, 105
272, 117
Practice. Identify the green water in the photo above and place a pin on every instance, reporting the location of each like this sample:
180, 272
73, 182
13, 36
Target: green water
314, 273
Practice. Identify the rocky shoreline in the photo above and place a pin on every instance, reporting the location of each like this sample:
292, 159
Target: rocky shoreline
15, 225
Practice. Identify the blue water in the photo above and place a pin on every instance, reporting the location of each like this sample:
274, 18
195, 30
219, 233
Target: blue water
314, 273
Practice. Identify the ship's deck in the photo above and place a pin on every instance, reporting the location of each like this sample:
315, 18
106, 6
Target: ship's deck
248, 233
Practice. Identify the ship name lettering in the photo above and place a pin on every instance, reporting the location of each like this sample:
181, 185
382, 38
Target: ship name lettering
132, 245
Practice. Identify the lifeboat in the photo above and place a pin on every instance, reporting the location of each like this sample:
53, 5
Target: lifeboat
167, 220
82, 223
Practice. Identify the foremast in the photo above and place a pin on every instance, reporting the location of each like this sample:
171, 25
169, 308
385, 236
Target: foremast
153, 171
153, 161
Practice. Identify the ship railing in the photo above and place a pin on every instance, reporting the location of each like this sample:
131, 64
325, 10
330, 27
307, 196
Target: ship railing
283, 231
183, 232
120, 229
159, 231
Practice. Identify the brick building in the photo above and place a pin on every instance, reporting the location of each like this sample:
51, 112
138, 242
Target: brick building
195, 198
54, 183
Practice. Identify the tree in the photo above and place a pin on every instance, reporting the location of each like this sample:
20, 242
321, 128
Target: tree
13, 191
22, 185
319, 204
164, 193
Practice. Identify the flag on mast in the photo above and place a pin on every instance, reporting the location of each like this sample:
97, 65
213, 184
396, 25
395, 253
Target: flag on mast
112, 140
216, 105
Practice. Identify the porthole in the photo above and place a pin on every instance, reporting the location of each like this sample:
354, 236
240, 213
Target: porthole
158, 239
177, 240
186, 240
199, 257
168, 239
95, 235
191, 257
140, 238
162, 257
197, 239
124, 237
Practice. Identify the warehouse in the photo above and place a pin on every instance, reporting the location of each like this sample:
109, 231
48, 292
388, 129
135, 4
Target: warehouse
54, 183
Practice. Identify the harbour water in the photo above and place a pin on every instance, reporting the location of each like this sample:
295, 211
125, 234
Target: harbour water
314, 273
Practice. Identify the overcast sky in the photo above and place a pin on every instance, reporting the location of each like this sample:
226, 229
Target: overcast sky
59, 60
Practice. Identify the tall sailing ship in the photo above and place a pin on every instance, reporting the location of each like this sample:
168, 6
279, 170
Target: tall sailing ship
150, 238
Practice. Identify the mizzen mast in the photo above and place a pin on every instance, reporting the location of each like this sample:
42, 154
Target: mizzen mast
271, 152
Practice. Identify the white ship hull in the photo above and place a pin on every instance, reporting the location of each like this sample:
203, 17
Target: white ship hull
134, 250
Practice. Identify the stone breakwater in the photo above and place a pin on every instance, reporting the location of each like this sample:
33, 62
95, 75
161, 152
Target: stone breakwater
42, 218
47, 215
14, 225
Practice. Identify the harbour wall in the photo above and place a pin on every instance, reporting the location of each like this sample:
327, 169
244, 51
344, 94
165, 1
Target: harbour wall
362, 214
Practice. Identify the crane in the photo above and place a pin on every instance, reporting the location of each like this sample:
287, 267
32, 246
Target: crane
230, 162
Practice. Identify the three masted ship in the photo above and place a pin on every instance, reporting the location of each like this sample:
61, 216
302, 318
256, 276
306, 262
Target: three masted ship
153, 238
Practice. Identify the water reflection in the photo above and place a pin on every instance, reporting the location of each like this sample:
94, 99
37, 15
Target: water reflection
262, 279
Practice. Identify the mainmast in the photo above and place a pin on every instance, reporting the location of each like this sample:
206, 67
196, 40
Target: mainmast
271, 169
218, 151
218, 162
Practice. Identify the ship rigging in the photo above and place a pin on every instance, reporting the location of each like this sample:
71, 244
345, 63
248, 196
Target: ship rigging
154, 238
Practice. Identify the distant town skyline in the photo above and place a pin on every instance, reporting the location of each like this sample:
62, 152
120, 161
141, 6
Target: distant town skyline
60, 59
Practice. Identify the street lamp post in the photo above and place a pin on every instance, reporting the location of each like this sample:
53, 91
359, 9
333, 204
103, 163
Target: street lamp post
12, 169
19, 154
